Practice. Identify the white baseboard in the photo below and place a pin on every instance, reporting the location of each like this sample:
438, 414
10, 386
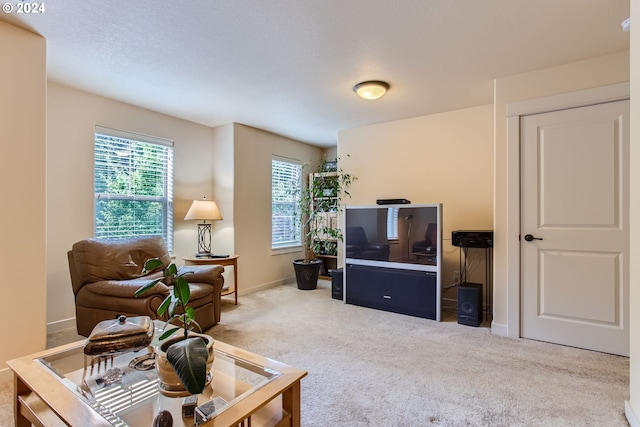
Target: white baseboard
264, 286
499, 329
630, 414
60, 325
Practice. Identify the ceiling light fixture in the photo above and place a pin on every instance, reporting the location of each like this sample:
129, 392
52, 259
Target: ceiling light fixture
372, 89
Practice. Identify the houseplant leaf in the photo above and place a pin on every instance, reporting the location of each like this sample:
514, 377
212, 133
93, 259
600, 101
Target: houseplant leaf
190, 314
166, 334
146, 287
152, 264
181, 290
171, 270
164, 306
189, 360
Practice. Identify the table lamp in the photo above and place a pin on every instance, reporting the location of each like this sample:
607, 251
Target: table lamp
204, 210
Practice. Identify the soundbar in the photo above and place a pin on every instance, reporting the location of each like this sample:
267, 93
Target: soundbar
472, 238
393, 202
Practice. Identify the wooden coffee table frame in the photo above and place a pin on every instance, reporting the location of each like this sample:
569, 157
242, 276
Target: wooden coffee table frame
41, 399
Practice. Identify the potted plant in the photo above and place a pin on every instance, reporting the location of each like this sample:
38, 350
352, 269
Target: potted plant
190, 355
318, 206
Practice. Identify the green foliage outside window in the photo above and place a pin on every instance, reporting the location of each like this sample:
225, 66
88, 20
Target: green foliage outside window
133, 183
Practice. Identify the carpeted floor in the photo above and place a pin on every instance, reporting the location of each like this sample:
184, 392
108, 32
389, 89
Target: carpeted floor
373, 368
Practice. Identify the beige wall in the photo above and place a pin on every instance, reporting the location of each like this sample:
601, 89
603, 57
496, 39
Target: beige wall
442, 158
223, 232
72, 116
551, 81
633, 405
258, 266
473, 196
330, 153
23, 87
230, 164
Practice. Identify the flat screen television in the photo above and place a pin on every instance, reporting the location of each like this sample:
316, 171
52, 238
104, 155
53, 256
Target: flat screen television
396, 236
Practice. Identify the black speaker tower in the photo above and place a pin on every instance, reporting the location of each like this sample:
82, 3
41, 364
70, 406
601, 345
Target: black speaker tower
470, 304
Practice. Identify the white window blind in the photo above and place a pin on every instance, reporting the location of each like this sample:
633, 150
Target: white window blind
392, 223
286, 181
133, 186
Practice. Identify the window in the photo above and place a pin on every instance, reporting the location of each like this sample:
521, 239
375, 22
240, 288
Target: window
286, 182
133, 186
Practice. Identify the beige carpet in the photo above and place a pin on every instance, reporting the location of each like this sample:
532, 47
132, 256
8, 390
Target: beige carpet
373, 368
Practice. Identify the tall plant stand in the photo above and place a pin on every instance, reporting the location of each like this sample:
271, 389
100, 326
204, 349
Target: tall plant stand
329, 262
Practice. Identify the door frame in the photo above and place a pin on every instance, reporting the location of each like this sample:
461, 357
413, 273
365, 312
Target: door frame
583, 98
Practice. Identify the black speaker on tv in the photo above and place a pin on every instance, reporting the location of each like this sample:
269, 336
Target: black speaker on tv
470, 304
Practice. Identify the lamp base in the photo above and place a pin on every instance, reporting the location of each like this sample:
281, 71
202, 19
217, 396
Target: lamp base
204, 239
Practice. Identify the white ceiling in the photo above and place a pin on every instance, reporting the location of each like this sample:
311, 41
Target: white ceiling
288, 66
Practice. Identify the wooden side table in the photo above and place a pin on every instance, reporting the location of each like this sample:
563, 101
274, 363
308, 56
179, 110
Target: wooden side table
231, 260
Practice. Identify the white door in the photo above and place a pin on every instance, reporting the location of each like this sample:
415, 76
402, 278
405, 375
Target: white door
575, 217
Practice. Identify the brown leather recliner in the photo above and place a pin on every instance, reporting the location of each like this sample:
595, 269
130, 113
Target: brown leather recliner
106, 273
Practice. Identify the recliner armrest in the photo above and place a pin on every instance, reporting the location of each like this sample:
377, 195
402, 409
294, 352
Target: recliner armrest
376, 246
202, 273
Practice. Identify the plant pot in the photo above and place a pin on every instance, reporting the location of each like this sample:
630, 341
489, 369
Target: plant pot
170, 384
307, 273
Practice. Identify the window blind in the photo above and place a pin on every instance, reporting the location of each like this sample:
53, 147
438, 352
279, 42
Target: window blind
133, 186
286, 182
392, 223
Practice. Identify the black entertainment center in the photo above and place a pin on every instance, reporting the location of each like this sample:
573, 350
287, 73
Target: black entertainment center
393, 258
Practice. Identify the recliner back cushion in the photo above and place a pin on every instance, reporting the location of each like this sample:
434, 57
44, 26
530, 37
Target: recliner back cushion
356, 236
98, 260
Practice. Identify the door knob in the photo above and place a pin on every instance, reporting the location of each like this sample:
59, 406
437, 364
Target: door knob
529, 238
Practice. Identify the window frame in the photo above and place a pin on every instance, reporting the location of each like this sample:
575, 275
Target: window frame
166, 199
292, 245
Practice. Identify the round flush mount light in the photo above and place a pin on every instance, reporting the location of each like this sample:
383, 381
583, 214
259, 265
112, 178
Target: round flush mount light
372, 89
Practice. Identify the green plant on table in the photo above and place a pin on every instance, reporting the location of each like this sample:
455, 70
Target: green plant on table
188, 357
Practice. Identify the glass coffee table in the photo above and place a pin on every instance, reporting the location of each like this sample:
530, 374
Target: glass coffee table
53, 387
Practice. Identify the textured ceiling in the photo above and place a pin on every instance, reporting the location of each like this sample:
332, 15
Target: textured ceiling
288, 66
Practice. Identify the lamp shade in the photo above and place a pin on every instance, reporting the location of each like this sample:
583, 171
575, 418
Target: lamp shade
204, 210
